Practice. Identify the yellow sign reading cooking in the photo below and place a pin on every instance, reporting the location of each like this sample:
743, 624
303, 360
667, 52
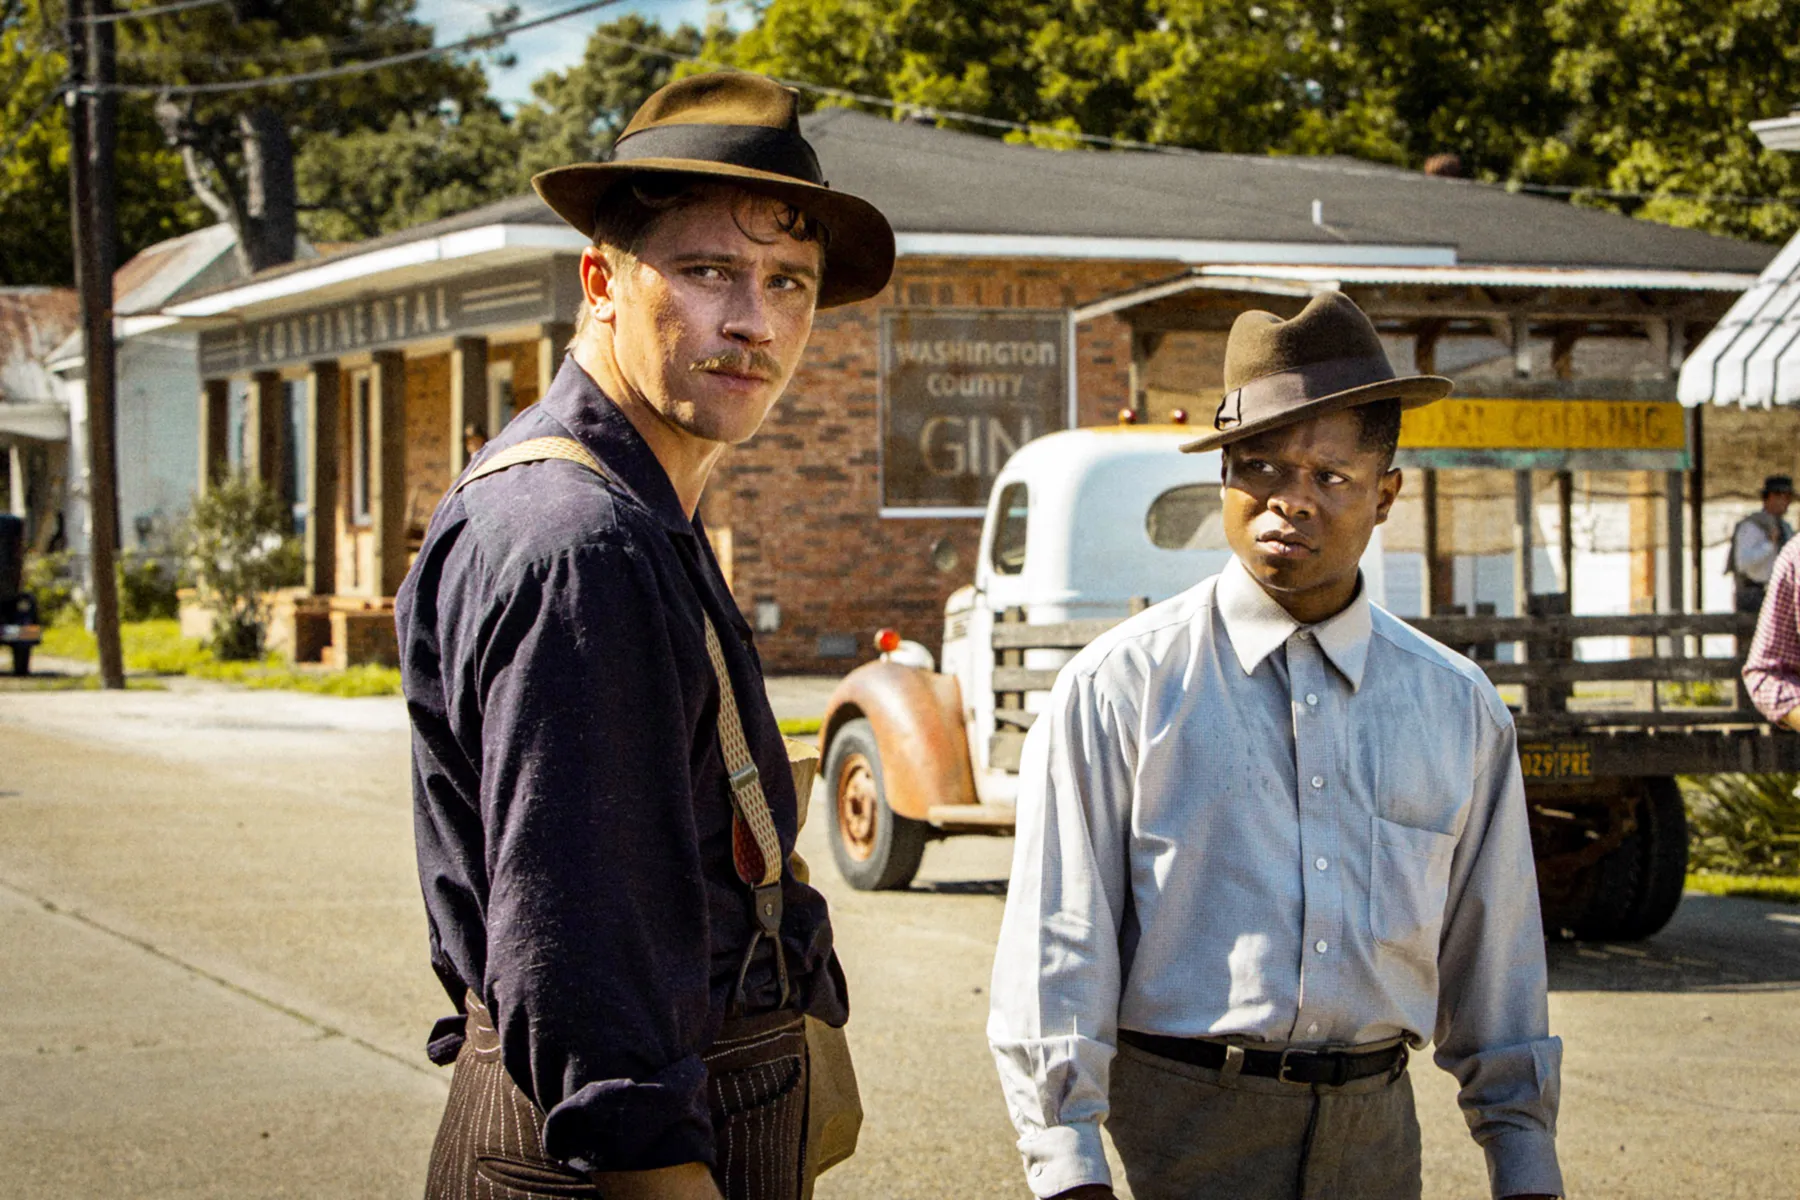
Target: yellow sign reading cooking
1483, 424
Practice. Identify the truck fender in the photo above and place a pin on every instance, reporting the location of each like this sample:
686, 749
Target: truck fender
918, 722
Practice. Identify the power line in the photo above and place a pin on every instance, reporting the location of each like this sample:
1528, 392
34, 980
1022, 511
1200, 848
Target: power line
1118, 143
132, 14
478, 41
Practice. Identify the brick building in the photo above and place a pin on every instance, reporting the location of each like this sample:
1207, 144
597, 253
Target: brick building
1034, 289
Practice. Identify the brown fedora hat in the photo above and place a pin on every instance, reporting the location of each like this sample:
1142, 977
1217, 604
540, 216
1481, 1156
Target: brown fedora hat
1282, 372
741, 129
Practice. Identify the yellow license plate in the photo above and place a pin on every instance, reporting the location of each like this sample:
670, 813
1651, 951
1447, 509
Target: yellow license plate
1556, 760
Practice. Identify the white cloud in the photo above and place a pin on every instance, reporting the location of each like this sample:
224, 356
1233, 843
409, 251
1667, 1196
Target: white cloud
549, 47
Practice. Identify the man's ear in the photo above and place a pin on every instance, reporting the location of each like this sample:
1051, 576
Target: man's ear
597, 280
1389, 490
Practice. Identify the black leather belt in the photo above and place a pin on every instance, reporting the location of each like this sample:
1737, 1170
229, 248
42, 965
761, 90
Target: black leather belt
1334, 1068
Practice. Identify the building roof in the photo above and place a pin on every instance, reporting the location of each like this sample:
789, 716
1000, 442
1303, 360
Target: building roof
160, 273
961, 194
1752, 356
32, 323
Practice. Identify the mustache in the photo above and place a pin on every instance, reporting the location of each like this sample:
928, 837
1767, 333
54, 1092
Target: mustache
739, 362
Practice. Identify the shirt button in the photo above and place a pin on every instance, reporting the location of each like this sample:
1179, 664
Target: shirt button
1321, 946
1318, 781
1312, 698
1313, 1028
1321, 862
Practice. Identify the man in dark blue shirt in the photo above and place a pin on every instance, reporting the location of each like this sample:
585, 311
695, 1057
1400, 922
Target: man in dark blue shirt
625, 1028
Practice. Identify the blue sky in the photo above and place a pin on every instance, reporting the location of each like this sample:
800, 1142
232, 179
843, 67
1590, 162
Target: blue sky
551, 47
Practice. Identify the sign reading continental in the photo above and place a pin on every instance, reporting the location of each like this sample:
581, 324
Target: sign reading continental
1465, 423
961, 390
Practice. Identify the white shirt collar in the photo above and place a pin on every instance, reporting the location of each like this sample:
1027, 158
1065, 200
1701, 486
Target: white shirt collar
1258, 626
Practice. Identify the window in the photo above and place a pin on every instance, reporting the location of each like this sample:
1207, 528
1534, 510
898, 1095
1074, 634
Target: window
1187, 518
1009, 529
361, 400
500, 396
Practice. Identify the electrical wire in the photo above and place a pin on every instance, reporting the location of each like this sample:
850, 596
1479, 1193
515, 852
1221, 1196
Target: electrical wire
132, 14
476, 42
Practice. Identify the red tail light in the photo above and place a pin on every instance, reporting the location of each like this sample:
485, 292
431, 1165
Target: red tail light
887, 640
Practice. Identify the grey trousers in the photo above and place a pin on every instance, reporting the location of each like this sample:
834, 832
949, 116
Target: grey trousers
1183, 1135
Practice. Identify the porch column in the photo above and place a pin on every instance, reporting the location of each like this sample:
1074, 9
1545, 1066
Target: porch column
553, 339
387, 469
266, 434
1697, 501
468, 396
15, 479
1143, 348
215, 430
324, 399
1522, 534
1562, 365
1438, 592
1674, 484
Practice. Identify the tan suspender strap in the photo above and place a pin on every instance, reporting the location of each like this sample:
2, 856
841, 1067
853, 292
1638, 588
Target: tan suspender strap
535, 450
747, 797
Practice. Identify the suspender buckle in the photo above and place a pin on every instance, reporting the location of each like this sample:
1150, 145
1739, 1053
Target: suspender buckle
745, 779
766, 900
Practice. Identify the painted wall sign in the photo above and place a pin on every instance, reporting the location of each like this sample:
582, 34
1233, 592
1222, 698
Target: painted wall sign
961, 390
1464, 423
541, 292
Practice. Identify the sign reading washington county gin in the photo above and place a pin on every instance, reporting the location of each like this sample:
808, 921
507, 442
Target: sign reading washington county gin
961, 390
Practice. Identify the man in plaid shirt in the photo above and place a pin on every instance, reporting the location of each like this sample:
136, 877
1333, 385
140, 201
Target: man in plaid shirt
1772, 671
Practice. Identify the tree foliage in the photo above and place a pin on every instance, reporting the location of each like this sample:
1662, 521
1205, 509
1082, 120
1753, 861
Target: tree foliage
240, 546
1648, 96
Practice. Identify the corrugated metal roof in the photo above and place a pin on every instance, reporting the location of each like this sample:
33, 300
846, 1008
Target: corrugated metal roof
32, 322
1752, 356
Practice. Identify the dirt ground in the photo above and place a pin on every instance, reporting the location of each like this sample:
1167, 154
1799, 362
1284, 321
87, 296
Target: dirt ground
215, 984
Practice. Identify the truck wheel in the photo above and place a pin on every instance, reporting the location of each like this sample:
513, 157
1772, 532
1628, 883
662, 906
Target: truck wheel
875, 848
1634, 890
21, 660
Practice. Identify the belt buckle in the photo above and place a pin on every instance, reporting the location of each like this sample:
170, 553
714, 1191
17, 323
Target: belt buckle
1281, 1068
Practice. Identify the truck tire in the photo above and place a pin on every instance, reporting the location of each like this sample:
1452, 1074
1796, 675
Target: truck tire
1634, 890
875, 848
21, 660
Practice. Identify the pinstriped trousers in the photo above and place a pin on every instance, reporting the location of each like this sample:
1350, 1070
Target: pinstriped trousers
490, 1145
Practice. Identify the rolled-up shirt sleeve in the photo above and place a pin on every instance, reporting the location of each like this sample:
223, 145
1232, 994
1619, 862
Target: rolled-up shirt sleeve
1055, 997
1772, 668
1493, 1025
598, 969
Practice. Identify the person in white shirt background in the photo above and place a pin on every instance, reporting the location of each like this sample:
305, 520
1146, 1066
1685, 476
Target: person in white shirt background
1270, 838
1755, 542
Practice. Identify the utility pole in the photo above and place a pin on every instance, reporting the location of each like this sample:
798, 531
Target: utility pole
93, 136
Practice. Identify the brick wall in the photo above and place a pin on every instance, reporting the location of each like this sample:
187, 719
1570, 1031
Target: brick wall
802, 499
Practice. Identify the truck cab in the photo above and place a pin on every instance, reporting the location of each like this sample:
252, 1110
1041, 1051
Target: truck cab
1083, 525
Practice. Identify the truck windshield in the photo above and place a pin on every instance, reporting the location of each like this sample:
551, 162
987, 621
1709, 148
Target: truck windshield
1187, 518
1009, 529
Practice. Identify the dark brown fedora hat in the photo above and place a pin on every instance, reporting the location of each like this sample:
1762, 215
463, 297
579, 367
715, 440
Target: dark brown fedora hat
740, 129
1328, 358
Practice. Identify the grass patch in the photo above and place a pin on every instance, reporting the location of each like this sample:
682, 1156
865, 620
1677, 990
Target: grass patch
73, 683
1785, 888
801, 726
157, 648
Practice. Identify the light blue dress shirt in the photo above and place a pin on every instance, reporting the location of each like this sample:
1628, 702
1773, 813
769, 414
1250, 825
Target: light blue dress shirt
1233, 825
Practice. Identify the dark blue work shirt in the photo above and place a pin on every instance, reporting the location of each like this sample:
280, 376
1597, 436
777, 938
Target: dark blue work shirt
570, 798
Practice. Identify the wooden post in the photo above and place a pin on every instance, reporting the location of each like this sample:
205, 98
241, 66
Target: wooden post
324, 399
468, 396
1437, 590
1565, 504
387, 469
15, 484
266, 424
553, 340
1143, 349
1675, 518
215, 431
1522, 543
93, 136
1697, 502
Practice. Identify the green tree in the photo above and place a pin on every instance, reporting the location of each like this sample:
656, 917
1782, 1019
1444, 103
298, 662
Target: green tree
240, 547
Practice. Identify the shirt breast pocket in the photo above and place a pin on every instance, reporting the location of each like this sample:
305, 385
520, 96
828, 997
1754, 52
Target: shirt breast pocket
1409, 884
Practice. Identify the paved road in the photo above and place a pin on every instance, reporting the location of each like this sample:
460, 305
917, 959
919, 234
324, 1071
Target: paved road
214, 984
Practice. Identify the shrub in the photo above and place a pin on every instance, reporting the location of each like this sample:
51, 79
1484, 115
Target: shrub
51, 578
240, 546
147, 586
1744, 823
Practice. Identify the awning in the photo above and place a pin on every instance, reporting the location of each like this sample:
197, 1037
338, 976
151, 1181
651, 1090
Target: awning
40, 422
1752, 356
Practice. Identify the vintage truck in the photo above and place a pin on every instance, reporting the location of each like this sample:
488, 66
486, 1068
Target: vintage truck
19, 628
1087, 526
